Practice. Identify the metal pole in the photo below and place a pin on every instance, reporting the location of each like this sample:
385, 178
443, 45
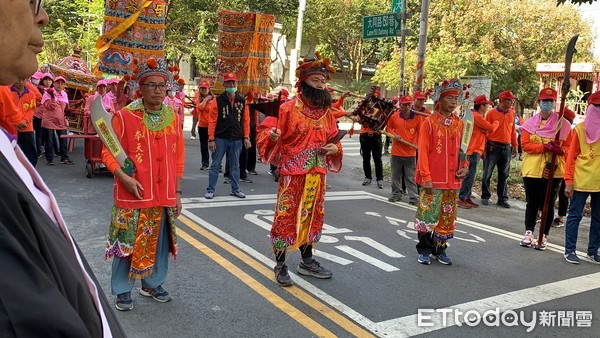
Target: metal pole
422, 45
403, 53
295, 53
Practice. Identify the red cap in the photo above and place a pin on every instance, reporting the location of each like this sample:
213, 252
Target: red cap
547, 94
419, 95
482, 99
284, 93
406, 99
569, 114
506, 95
594, 98
396, 98
229, 77
204, 84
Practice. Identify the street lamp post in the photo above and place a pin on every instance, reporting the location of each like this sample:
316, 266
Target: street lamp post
295, 53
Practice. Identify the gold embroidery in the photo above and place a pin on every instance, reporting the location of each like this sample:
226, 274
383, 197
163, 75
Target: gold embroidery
139, 156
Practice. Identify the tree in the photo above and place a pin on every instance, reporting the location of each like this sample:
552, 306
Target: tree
72, 22
335, 27
503, 40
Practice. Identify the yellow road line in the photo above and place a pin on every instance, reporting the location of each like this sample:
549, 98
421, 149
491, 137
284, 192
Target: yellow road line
269, 295
311, 301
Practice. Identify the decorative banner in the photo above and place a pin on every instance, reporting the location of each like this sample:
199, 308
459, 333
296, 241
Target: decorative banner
245, 49
135, 29
75, 71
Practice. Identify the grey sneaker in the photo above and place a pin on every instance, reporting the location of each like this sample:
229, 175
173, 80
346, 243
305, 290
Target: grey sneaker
367, 181
282, 276
158, 294
252, 172
572, 258
226, 180
238, 194
395, 198
209, 195
595, 258
124, 302
245, 180
380, 184
313, 269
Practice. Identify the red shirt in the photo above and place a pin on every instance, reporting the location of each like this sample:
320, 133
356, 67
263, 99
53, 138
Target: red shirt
26, 104
506, 132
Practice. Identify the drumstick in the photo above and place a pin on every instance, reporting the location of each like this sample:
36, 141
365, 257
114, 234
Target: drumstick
400, 140
343, 91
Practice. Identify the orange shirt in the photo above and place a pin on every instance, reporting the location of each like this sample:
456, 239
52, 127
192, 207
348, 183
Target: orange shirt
203, 113
408, 130
10, 114
158, 157
26, 104
481, 129
439, 151
506, 132
366, 130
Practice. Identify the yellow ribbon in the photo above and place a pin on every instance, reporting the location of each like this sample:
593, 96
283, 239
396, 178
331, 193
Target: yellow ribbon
102, 46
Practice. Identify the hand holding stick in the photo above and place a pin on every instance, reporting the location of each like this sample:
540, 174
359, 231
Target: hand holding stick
400, 140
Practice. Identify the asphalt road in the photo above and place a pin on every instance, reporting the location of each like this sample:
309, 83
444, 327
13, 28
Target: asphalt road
223, 286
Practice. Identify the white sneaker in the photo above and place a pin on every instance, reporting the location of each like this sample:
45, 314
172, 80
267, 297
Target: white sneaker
544, 243
192, 137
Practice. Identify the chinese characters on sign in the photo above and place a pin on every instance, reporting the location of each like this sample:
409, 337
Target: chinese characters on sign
380, 26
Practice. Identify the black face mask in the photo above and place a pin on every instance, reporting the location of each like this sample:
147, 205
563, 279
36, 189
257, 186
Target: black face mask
316, 97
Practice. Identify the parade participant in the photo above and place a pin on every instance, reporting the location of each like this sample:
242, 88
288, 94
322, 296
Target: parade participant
206, 105
55, 102
439, 172
297, 141
24, 97
142, 229
404, 125
538, 139
45, 82
563, 201
419, 100
582, 180
228, 131
500, 147
50, 290
370, 145
107, 103
518, 124
475, 150
176, 85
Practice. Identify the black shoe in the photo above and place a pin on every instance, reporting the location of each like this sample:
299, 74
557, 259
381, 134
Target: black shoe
282, 276
49, 163
276, 176
69, 162
367, 181
313, 269
204, 167
226, 180
252, 172
504, 204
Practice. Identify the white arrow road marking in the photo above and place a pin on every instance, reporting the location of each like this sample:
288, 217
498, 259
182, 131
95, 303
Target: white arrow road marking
254, 219
328, 229
369, 259
403, 234
372, 213
395, 221
331, 257
376, 245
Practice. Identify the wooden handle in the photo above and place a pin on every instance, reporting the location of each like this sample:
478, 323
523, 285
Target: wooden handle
419, 113
349, 93
401, 140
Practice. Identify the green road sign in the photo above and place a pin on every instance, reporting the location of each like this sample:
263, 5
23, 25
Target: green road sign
397, 6
380, 26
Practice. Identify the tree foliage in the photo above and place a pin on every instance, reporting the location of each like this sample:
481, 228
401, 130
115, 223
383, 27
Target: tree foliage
503, 40
72, 22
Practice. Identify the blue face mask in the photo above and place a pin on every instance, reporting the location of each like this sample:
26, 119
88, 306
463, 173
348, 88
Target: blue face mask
231, 90
547, 106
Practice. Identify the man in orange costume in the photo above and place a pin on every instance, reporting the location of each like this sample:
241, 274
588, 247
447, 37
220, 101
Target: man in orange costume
142, 229
475, 149
297, 141
404, 125
439, 173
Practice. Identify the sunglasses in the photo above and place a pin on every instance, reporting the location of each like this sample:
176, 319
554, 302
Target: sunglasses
36, 6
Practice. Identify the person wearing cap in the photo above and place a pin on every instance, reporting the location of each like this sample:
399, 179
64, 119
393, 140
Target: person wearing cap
107, 103
142, 232
500, 147
228, 131
419, 98
404, 125
539, 145
206, 106
439, 172
582, 181
24, 96
475, 149
55, 102
371, 146
49, 289
302, 142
